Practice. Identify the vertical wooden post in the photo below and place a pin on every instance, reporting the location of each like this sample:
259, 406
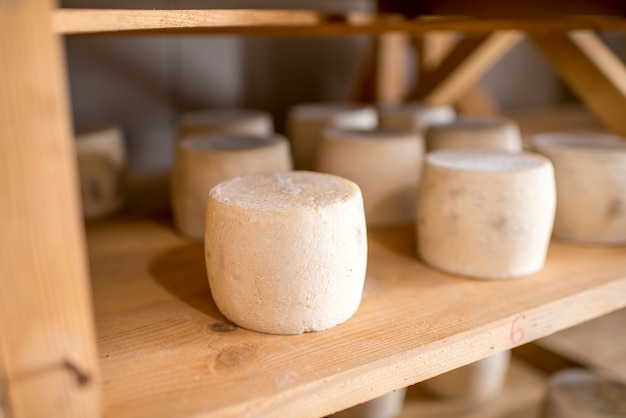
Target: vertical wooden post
384, 73
48, 356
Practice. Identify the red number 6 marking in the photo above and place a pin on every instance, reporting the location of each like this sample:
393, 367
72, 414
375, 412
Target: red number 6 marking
517, 333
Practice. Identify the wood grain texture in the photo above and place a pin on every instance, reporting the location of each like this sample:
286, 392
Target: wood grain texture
463, 67
75, 21
592, 70
276, 22
47, 340
167, 351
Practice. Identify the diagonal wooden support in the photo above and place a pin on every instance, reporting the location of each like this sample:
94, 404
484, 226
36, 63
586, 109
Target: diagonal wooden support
432, 49
591, 69
464, 67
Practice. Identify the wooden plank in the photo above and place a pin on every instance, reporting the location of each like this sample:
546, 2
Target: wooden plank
76, 21
167, 351
432, 50
591, 69
47, 341
276, 22
464, 66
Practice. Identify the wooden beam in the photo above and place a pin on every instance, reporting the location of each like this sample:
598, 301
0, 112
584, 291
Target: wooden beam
591, 69
48, 352
464, 66
432, 49
301, 22
383, 76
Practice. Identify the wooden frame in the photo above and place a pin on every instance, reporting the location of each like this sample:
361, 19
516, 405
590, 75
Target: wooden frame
48, 355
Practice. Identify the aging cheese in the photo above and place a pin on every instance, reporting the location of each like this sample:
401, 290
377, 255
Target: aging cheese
581, 393
475, 132
203, 161
102, 171
590, 171
485, 214
387, 166
414, 116
479, 381
386, 406
307, 121
229, 121
286, 253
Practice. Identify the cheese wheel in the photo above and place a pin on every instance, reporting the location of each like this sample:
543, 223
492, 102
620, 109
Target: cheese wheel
307, 121
386, 165
582, 394
480, 380
485, 214
102, 171
286, 253
386, 406
203, 161
475, 132
231, 121
414, 116
590, 171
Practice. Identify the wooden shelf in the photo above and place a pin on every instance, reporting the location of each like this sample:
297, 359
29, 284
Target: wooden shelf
299, 22
165, 350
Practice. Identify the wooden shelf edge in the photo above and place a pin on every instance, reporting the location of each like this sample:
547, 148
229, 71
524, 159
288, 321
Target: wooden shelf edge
67, 21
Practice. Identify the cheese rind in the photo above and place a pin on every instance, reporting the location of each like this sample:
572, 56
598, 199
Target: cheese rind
204, 161
102, 171
480, 380
307, 121
386, 165
474, 132
414, 116
286, 253
226, 121
485, 214
581, 393
590, 171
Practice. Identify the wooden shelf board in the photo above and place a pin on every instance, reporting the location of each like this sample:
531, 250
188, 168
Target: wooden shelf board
166, 350
301, 22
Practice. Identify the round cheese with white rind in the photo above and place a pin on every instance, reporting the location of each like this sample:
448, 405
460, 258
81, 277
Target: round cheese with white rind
386, 164
590, 171
485, 214
203, 161
286, 253
475, 133
225, 121
414, 116
307, 121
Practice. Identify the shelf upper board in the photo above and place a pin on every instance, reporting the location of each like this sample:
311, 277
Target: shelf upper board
301, 22
166, 350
